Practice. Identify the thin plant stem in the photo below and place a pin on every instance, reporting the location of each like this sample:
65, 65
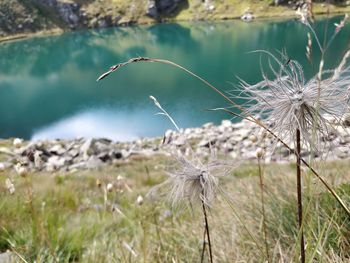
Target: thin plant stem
262, 198
204, 243
300, 203
207, 231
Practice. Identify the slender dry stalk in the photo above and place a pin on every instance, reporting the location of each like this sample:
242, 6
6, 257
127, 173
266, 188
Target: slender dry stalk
193, 181
300, 200
207, 231
262, 200
246, 115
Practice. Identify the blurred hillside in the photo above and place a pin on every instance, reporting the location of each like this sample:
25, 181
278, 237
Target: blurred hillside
27, 16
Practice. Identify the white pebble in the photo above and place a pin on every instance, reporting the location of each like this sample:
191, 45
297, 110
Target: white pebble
17, 142
139, 200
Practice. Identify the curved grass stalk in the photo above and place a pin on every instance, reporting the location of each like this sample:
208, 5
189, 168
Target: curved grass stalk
249, 117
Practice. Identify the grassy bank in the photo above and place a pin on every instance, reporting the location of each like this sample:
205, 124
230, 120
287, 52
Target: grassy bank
76, 217
123, 12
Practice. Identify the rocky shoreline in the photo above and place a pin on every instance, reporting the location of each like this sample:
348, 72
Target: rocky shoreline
235, 141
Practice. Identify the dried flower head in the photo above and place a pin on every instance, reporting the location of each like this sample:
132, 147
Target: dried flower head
21, 170
260, 153
193, 181
289, 103
109, 187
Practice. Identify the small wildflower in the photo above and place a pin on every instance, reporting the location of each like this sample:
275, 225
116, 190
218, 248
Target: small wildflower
10, 186
109, 187
260, 153
139, 200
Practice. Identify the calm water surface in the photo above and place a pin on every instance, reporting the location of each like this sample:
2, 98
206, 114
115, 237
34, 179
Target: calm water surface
48, 85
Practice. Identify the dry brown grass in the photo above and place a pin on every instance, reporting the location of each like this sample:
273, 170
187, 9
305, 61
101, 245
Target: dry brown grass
71, 220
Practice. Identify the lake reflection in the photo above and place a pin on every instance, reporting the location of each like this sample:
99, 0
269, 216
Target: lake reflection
48, 85
116, 125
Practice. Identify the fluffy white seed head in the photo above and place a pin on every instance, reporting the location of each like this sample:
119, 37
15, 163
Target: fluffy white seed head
260, 153
21, 170
193, 181
288, 102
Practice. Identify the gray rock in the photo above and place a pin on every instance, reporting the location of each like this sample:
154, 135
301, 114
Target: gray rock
94, 163
152, 10
208, 125
180, 141
55, 163
104, 156
114, 154
226, 123
8, 257
346, 120
87, 149
247, 17
157, 7
57, 149
73, 153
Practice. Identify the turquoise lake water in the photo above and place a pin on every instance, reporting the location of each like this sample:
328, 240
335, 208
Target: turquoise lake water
48, 85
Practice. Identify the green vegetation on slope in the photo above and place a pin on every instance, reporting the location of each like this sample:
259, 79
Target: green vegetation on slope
21, 17
74, 218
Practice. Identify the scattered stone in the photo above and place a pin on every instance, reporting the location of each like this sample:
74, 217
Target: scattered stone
234, 140
247, 16
157, 7
346, 120
57, 150
17, 142
2, 167
8, 257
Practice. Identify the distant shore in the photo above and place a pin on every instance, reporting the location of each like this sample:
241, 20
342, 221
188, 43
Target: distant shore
259, 13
